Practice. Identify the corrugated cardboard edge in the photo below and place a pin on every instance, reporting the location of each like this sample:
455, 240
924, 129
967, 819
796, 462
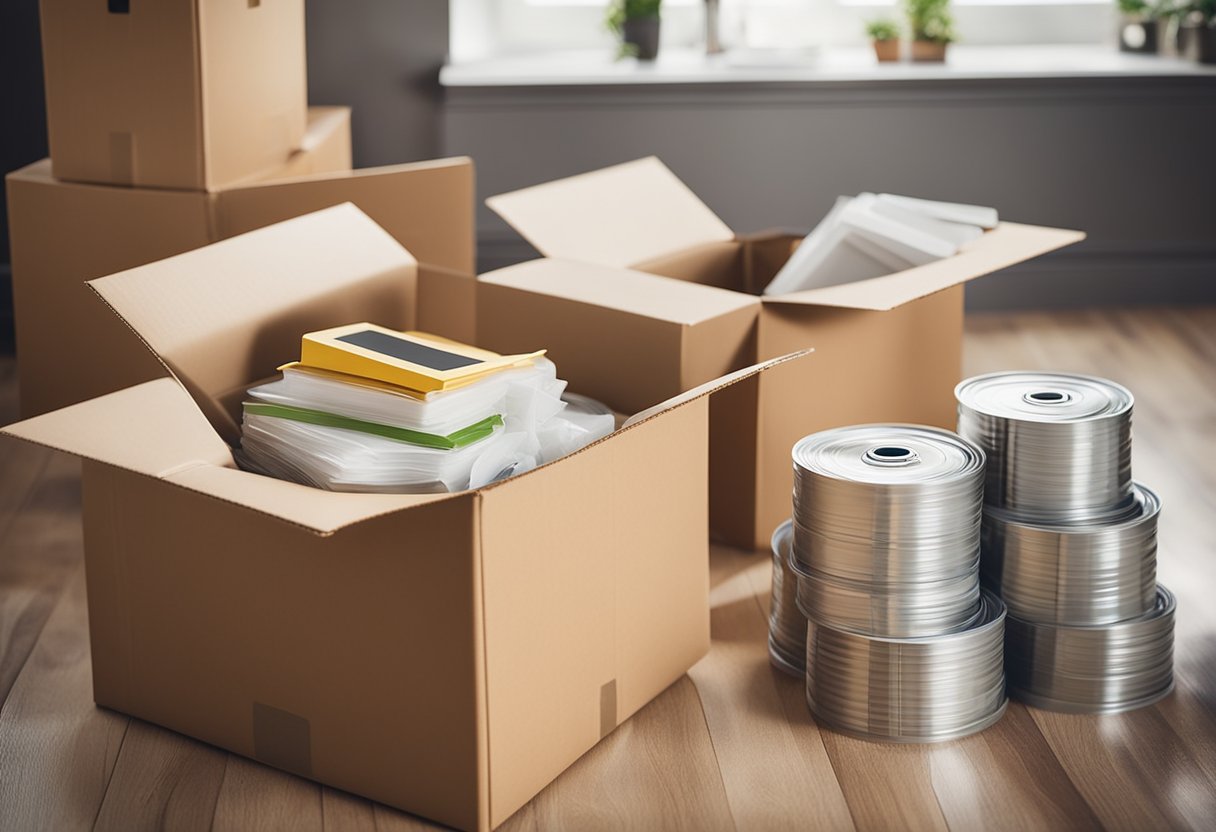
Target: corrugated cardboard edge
360, 173
481, 671
975, 259
707, 389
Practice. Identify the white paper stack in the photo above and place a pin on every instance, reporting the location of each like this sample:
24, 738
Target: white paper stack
871, 235
343, 433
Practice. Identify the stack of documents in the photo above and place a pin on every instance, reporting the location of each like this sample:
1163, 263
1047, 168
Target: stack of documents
871, 235
371, 409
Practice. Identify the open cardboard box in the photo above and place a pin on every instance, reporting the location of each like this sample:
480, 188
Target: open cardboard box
449, 654
63, 234
889, 349
173, 93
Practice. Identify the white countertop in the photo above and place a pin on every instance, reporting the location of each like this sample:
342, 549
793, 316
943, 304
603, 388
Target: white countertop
688, 66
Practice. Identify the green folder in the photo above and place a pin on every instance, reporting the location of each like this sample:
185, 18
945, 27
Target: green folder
462, 437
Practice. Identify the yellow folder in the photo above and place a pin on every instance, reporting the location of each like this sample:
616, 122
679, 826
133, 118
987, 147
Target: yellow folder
413, 360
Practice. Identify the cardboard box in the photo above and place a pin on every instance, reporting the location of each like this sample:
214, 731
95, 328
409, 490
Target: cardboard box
71, 349
325, 148
173, 93
449, 654
890, 349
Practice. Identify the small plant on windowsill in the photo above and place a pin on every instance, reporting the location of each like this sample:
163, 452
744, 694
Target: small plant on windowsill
636, 23
1197, 30
1140, 25
932, 28
884, 34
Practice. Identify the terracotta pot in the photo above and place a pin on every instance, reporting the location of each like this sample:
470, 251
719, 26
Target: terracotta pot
643, 34
928, 50
887, 50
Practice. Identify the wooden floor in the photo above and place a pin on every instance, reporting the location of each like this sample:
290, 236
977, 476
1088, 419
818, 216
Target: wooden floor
728, 746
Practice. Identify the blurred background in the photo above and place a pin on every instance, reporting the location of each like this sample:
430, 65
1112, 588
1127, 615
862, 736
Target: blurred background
1075, 113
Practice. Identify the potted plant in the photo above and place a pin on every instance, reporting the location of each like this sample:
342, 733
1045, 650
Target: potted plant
1201, 29
884, 33
636, 23
1138, 26
932, 28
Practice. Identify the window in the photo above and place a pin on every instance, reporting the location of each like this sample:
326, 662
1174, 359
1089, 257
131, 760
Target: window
530, 26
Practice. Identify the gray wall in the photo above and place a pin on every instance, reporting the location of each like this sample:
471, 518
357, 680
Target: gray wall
381, 57
23, 134
1127, 160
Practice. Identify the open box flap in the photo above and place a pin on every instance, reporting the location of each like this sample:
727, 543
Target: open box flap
617, 216
1007, 244
637, 293
710, 387
658, 410
153, 428
226, 315
156, 429
320, 512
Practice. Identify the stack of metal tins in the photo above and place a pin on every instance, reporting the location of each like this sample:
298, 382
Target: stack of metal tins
1070, 542
786, 624
901, 645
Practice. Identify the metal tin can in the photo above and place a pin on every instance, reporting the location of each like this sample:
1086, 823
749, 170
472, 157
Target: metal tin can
926, 689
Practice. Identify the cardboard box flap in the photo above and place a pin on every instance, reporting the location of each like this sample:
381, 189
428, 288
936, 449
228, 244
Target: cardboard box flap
637, 293
427, 206
617, 216
658, 410
709, 388
320, 512
154, 428
226, 315
1007, 244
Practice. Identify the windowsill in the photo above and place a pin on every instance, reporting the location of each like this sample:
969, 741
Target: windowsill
689, 66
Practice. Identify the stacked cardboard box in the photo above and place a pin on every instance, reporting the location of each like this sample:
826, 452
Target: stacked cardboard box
673, 297
176, 124
449, 654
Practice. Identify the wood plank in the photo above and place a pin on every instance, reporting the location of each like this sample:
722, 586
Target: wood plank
57, 749
776, 773
254, 796
41, 544
1154, 767
161, 780
656, 771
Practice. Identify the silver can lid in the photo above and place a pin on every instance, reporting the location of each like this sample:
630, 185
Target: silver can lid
1044, 397
888, 455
